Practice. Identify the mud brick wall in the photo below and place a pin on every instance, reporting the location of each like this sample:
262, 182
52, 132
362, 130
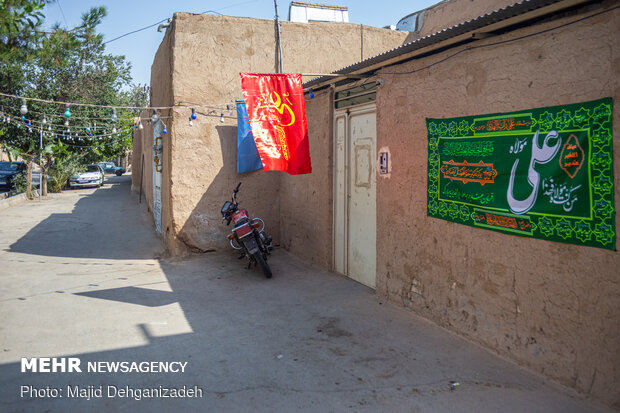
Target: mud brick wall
550, 306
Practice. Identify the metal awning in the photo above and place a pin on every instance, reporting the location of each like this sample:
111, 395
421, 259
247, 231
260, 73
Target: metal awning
470, 30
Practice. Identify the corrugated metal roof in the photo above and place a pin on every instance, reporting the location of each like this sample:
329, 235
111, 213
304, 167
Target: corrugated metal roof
472, 25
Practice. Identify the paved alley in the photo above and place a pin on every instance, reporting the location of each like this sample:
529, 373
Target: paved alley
82, 276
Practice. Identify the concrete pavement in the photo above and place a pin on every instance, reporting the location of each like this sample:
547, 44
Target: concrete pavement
81, 277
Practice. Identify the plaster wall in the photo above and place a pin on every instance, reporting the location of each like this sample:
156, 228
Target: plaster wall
550, 306
161, 96
142, 178
305, 216
208, 53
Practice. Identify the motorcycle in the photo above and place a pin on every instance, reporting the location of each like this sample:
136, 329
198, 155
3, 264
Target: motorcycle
248, 235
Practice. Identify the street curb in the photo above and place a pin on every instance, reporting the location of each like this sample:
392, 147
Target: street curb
15, 200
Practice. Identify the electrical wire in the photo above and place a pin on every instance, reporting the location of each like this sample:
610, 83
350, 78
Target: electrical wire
230, 6
163, 20
62, 13
85, 104
184, 104
135, 31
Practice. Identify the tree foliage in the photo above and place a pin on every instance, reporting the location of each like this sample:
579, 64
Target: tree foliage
62, 66
19, 21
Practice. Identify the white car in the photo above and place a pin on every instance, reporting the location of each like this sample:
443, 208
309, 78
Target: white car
93, 176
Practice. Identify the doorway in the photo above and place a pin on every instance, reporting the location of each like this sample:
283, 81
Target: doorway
355, 229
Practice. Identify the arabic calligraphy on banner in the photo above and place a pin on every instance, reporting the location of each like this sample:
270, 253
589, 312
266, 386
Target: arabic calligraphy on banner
544, 173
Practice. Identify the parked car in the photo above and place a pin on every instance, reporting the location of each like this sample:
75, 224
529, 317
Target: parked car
8, 172
93, 176
110, 168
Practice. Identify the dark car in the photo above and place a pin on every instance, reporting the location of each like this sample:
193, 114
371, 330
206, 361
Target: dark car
8, 171
110, 168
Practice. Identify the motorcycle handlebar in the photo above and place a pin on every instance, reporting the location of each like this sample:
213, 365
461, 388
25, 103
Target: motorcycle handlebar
234, 197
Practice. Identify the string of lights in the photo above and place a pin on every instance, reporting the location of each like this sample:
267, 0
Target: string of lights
50, 116
88, 125
224, 106
212, 110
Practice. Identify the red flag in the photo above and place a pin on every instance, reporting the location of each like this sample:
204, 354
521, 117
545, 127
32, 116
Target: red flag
277, 113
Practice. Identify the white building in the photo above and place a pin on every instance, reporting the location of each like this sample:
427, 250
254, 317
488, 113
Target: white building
309, 12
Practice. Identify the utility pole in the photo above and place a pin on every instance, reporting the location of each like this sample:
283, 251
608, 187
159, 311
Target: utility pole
278, 42
41, 161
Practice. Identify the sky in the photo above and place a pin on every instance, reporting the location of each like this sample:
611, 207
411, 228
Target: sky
125, 16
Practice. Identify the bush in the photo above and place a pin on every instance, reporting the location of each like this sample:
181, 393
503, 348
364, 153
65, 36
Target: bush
62, 169
20, 182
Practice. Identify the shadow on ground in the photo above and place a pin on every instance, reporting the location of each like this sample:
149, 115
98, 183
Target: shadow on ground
306, 340
102, 225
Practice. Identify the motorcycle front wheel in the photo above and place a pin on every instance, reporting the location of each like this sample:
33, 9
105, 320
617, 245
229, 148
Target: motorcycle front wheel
258, 256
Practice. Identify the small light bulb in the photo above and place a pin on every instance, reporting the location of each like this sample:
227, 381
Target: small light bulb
24, 108
44, 121
67, 112
193, 114
311, 94
140, 125
164, 130
66, 122
222, 118
155, 117
190, 122
114, 129
114, 117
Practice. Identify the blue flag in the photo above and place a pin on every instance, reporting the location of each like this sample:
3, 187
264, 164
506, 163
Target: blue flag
248, 158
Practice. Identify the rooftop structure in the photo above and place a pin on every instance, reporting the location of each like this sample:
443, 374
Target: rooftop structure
310, 12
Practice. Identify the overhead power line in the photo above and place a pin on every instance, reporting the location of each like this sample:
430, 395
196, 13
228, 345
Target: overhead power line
163, 20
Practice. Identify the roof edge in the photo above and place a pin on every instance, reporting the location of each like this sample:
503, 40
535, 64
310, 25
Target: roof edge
519, 12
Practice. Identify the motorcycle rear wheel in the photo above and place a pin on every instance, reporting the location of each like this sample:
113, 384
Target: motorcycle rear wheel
258, 256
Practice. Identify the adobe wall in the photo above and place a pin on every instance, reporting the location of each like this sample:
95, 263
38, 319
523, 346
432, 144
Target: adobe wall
142, 178
306, 224
550, 306
208, 54
161, 95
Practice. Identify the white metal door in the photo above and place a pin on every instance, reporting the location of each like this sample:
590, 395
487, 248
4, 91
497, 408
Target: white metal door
340, 195
355, 194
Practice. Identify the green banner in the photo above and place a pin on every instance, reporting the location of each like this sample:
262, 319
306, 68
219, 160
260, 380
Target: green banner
544, 173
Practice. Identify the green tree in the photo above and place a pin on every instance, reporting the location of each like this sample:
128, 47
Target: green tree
19, 35
19, 24
71, 66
